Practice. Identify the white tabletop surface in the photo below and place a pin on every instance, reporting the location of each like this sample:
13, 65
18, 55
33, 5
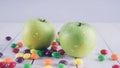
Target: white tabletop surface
108, 38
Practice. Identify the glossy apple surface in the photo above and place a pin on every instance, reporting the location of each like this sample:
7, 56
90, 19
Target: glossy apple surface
37, 33
78, 39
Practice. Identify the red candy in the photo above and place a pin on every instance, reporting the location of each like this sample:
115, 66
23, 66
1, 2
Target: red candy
15, 50
3, 64
61, 52
55, 43
104, 52
116, 66
11, 65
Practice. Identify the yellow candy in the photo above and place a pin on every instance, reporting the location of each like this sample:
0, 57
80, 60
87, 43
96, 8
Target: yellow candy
26, 56
1, 60
47, 66
19, 55
32, 51
78, 61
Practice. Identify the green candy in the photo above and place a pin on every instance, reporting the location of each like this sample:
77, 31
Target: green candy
61, 66
101, 57
13, 45
39, 53
56, 55
58, 40
27, 65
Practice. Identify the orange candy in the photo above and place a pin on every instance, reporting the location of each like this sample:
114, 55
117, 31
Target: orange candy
8, 60
115, 57
47, 62
34, 56
57, 36
19, 44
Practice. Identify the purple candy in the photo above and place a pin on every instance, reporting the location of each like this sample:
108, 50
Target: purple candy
26, 51
44, 50
1, 54
19, 59
63, 62
49, 53
8, 38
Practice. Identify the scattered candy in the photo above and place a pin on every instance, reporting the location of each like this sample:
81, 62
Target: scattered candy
63, 62
15, 50
1, 54
55, 54
48, 66
44, 50
115, 57
49, 53
13, 45
32, 51
8, 38
116, 66
39, 53
61, 52
47, 62
101, 57
78, 61
104, 52
7, 60
11, 64
27, 65
61, 66
19, 59
19, 44
19, 55
34, 56
26, 56
26, 51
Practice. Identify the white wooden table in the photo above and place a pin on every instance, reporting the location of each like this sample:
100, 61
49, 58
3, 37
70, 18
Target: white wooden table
108, 38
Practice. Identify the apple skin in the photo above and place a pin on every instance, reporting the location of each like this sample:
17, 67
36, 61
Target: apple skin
37, 33
78, 39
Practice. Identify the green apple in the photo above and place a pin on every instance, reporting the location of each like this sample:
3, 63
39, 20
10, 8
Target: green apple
37, 33
78, 39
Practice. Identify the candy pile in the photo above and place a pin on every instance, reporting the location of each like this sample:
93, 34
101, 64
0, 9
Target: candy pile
114, 57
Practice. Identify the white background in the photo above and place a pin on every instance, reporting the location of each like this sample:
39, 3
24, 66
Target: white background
60, 11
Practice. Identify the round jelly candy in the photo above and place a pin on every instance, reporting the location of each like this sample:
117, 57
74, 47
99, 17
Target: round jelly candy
8, 60
101, 57
26, 51
58, 40
54, 47
63, 62
34, 56
44, 50
115, 57
47, 62
32, 51
56, 54
61, 66
19, 55
11, 64
19, 59
78, 61
13, 45
48, 66
26, 56
49, 53
55, 43
19, 44
15, 50
1, 54
27, 65
116, 66
39, 53
3, 64
104, 52
8, 38
61, 52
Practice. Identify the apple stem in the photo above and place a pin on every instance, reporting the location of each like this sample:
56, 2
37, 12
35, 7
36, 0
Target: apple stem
42, 20
79, 24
